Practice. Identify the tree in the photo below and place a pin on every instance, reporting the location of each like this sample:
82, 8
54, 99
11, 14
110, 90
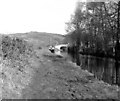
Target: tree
95, 24
117, 47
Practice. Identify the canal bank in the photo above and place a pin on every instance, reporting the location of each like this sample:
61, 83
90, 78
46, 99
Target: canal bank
58, 78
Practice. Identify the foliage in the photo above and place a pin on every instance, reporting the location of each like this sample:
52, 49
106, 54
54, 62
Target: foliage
12, 48
95, 24
16, 66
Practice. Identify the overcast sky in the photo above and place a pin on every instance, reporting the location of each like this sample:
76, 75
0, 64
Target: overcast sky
35, 15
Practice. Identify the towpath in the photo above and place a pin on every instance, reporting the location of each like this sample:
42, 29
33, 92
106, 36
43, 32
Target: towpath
57, 78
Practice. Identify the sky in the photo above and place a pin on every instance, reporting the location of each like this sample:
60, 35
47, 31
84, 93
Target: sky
20, 16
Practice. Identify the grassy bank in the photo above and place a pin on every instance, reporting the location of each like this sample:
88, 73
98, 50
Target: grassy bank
18, 60
15, 66
35, 73
58, 78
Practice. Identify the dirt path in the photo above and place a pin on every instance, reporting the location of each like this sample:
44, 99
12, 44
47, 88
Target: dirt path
57, 78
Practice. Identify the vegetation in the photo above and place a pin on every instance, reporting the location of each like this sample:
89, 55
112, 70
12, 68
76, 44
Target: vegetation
15, 66
18, 60
41, 39
94, 28
35, 73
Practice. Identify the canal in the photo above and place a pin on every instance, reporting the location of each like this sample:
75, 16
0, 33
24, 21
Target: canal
105, 69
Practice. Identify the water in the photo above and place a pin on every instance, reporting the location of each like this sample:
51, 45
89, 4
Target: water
104, 69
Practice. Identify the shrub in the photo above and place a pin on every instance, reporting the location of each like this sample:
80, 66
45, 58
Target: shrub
16, 67
12, 47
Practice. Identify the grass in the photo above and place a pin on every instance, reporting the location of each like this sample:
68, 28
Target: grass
41, 38
15, 65
17, 60
55, 77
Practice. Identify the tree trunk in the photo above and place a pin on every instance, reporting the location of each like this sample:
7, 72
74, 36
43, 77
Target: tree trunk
117, 36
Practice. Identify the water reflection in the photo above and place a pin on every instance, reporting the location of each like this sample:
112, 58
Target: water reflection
104, 69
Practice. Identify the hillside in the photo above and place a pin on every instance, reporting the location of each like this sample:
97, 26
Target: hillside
41, 39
